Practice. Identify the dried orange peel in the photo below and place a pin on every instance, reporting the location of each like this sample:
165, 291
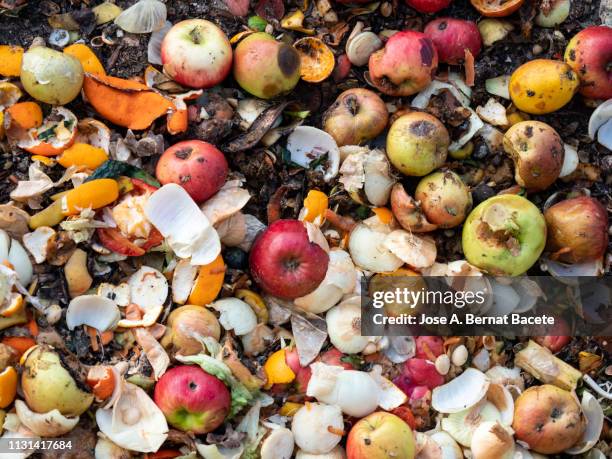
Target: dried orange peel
208, 283
53, 136
317, 60
10, 60
276, 369
83, 155
126, 103
8, 386
101, 379
87, 58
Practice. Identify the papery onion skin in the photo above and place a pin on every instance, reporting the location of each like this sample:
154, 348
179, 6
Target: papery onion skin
491, 440
187, 323
577, 229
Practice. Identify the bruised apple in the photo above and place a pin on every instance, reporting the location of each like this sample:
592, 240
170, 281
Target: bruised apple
357, 115
445, 199
266, 67
417, 143
405, 65
577, 229
380, 435
285, 262
452, 37
196, 53
589, 54
504, 235
548, 419
191, 399
197, 166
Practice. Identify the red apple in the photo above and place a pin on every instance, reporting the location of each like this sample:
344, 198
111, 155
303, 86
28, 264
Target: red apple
558, 341
196, 53
452, 37
197, 166
285, 263
380, 435
405, 65
428, 6
191, 399
589, 54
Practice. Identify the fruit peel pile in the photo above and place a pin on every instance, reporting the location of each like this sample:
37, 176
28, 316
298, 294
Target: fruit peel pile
181, 250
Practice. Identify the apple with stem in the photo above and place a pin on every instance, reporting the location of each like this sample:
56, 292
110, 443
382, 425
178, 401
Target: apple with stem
191, 399
196, 53
285, 262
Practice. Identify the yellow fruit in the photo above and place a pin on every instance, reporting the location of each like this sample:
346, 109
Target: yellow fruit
276, 369
82, 154
94, 194
8, 386
543, 86
87, 58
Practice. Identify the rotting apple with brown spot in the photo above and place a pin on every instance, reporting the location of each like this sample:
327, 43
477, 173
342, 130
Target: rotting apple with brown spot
405, 66
197, 166
357, 115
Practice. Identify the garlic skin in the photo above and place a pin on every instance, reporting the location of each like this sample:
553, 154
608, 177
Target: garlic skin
491, 440
317, 428
145, 16
344, 327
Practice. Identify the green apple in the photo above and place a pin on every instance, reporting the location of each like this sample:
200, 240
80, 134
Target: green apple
504, 235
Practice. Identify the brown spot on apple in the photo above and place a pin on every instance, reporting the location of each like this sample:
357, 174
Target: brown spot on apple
427, 51
288, 60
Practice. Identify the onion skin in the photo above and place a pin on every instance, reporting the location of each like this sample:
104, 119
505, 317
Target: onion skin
577, 229
187, 321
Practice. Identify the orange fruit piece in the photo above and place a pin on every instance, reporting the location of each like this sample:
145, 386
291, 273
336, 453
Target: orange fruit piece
178, 121
102, 381
8, 386
316, 59
10, 60
315, 203
124, 102
276, 369
496, 8
383, 214
208, 283
95, 194
82, 154
27, 115
20, 344
15, 305
87, 58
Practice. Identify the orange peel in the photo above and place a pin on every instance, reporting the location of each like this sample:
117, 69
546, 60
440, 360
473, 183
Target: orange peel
87, 58
384, 215
317, 60
125, 103
101, 379
10, 60
27, 115
208, 284
83, 155
53, 136
496, 8
276, 369
8, 386
315, 203
14, 305
95, 195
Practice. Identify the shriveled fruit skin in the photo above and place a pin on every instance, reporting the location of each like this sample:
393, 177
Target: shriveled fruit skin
504, 235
